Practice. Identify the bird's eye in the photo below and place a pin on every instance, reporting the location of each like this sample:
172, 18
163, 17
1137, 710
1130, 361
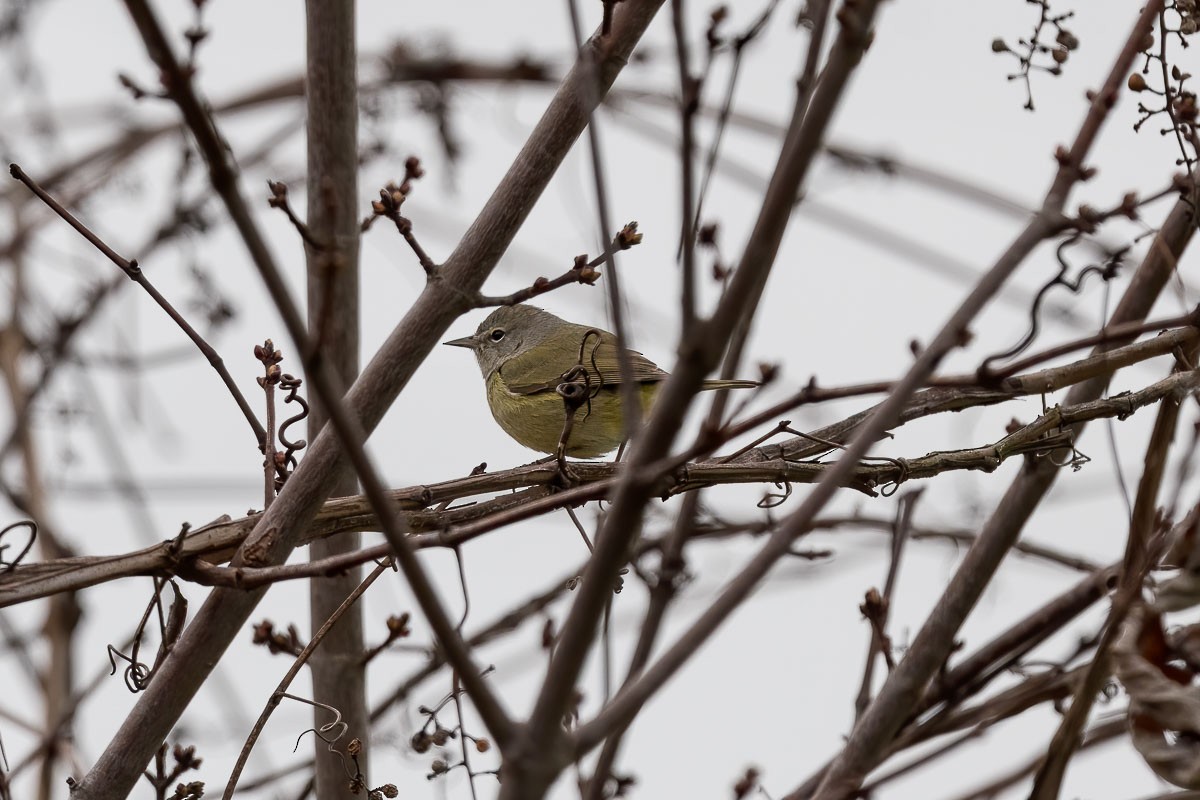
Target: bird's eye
497, 334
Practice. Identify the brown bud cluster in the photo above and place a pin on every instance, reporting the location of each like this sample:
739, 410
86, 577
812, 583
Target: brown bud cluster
398, 625
715, 19
1184, 106
279, 194
628, 236
747, 783
264, 633
767, 373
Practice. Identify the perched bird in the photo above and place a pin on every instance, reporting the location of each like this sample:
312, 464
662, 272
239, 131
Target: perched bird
526, 354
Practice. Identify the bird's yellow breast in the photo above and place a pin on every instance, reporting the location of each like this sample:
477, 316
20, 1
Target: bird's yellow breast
536, 420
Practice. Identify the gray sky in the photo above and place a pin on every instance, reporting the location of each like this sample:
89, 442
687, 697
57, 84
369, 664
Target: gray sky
776, 687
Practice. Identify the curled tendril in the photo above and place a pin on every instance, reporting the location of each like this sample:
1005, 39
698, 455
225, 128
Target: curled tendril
137, 674
1075, 460
892, 486
170, 625
9, 566
575, 386
324, 732
773, 500
1107, 271
292, 384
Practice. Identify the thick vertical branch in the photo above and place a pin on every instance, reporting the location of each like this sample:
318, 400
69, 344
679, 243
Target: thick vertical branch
689, 102
338, 670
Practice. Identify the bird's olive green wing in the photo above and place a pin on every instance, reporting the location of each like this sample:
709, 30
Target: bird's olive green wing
540, 368
605, 358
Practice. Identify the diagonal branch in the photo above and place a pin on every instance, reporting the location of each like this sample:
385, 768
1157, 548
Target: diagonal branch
443, 299
134, 272
1137, 562
933, 643
879, 724
698, 356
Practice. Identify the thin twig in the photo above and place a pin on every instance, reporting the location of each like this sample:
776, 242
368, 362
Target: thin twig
689, 102
878, 616
293, 671
135, 273
631, 400
582, 271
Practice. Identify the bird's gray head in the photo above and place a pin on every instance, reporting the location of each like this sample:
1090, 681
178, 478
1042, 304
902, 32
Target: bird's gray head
508, 331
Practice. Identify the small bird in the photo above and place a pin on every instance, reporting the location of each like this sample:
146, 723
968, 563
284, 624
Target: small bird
526, 354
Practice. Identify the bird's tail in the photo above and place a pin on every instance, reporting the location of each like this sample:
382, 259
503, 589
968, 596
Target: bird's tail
729, 385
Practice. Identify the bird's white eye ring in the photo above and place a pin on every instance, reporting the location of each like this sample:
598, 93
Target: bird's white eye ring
496, 335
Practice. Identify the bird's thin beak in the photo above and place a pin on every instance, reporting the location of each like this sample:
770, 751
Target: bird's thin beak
466, 341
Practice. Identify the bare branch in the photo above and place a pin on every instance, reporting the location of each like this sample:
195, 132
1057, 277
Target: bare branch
134, 272
217, 623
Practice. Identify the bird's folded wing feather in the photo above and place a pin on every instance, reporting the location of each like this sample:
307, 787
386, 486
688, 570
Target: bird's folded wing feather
526, 373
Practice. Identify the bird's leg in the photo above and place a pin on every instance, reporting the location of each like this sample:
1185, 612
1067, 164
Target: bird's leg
565, 475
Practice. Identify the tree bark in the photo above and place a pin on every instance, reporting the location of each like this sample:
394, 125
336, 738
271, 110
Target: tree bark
338, 674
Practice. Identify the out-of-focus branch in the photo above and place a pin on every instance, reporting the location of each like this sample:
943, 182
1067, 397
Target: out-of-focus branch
698, 355
399, 66
63, 611
877, 727
1098, 734
134, 272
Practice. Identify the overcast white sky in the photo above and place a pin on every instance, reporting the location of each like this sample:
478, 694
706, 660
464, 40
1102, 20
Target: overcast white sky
776, 687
